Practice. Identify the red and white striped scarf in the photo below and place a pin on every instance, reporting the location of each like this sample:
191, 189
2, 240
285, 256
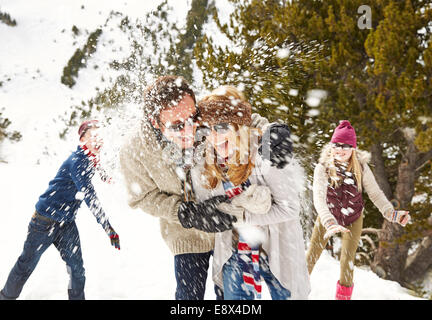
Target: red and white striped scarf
96, 163
249, 255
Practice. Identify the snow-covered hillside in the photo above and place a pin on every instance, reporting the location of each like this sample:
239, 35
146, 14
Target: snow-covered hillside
32, 57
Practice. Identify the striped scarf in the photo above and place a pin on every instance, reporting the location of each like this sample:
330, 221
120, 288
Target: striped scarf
96, 163
249, 255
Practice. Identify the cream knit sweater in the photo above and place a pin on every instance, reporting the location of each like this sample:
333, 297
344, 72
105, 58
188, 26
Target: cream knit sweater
154, 185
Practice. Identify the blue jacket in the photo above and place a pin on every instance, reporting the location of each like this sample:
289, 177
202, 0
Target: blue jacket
69, 188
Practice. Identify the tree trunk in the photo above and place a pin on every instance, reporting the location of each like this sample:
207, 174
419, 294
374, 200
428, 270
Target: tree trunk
380, 172
419, 263
390, 259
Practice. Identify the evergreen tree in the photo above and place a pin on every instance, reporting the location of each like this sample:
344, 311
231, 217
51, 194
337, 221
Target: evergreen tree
181, 54
79, 58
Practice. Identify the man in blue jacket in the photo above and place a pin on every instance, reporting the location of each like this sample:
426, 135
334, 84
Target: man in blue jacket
54, 219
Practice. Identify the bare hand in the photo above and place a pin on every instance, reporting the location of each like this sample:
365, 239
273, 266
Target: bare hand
332, 230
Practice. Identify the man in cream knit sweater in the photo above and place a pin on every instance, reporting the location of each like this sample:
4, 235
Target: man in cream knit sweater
156, 162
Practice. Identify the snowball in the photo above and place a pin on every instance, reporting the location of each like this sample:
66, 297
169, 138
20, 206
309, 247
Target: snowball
283, 108
79, 195
180, 173
178, 82
347, 211
349, 181
315, 96
293, 92
283, 53
252, 235
313, 113
135, 187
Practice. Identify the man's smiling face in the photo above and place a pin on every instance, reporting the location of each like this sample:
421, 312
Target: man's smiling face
177, 122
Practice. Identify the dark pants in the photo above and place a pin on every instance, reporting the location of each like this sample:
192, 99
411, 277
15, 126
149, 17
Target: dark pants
41, 234
191, 275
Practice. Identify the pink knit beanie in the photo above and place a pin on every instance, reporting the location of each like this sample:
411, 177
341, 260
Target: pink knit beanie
345, 133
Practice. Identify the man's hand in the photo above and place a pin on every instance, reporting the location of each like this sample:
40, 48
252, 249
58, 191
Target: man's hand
205, 216
114, 237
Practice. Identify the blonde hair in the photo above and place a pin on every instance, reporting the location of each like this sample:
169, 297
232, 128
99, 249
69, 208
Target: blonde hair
240, 166
354, 167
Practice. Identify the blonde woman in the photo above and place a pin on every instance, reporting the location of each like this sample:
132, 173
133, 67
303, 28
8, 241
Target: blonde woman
264, 187
340, 177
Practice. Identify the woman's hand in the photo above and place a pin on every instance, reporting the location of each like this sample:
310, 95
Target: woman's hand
399, 216
256, 199
332, 230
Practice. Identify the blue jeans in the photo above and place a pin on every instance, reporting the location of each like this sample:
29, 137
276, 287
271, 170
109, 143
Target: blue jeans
41, 234
234, 288
191, 274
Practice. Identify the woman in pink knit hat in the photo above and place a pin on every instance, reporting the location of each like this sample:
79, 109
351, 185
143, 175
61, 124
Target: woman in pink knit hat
341, 175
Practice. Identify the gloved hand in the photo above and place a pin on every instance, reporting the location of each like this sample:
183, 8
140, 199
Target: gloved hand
258, 121
399, 216
205, 216
114, 237
255, 199
333, 229
276, 145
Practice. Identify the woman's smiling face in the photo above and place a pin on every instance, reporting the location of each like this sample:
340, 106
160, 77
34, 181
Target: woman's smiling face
342, 152
222, 138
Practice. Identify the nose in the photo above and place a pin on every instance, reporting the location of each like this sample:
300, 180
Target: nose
188, 129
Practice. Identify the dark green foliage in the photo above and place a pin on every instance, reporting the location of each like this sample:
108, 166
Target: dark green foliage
6, 19
75, 30
181, 54
79, 59
4, 133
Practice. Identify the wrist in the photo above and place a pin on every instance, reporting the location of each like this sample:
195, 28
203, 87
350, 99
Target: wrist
391, 215
107, 227
330, 223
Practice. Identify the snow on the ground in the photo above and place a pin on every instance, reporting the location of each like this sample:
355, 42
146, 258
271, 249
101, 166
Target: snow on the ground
144, 267
367, 285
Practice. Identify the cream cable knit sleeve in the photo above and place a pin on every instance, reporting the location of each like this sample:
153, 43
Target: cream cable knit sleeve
374, 192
